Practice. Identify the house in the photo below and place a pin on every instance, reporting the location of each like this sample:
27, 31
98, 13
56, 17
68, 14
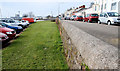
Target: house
107, 6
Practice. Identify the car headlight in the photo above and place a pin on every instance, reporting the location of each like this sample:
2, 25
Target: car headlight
9, 32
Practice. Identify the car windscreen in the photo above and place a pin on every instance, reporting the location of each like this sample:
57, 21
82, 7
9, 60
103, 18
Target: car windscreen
113, 14
10, 21
80, 16
74, 16
94, 14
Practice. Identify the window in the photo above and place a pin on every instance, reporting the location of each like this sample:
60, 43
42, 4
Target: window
95, 8
101, 15
105, 6
102, 7
105, 15
94, 14
113, 6
87, 15
113, 14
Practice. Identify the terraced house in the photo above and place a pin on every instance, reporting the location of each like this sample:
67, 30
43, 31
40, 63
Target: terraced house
107, 6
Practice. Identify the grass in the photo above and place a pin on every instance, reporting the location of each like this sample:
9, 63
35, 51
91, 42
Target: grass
38, 47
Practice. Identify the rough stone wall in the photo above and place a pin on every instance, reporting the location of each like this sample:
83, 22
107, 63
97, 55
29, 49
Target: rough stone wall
81, 47
73, 56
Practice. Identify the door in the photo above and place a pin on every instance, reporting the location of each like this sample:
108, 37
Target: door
105, 18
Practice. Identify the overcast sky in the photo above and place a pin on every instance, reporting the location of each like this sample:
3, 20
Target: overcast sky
39, 7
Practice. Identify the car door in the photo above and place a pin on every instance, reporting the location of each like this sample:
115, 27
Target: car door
101, 17
105, 18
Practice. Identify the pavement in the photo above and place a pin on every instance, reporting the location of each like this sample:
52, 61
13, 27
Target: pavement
106, 33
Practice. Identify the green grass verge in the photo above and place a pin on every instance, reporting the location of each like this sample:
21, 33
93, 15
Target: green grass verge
38, 47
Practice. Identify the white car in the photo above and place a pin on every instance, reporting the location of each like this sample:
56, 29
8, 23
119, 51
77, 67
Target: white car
72, 17
25, 21
20, 23
109, 18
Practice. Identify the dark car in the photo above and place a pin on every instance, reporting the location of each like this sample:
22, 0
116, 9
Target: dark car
18, 29
9, 32
78, 18
91, 18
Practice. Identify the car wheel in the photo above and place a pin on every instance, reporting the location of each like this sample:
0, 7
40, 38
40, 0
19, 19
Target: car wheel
99, 22
88, 21
109, 23
83, 20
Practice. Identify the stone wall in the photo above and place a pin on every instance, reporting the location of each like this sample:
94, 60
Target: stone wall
82, 48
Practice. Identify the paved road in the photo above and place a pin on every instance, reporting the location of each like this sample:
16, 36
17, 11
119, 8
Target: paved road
107, 33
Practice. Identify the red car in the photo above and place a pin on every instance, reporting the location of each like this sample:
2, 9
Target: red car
91, 18
9, 32
30, 20
3, 37
78, 18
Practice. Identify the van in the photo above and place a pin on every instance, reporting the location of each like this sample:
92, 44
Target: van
109, 18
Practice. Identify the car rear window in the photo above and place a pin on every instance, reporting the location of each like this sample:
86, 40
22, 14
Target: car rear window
94, 14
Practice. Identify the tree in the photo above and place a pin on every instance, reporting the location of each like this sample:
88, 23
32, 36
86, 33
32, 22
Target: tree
48, 16
25, 15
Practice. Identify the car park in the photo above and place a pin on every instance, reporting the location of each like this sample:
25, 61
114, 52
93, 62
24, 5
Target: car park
3, 37
109, 18
18, 29
91, 18
9, 32
78, 18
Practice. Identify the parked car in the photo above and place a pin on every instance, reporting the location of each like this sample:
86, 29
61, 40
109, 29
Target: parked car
22, 24
78, 18
9, 32
31, 20
18, 29
8, 22
13, 22
25, 21
3, 37
91, 17
72, 17
109, 18
67, 18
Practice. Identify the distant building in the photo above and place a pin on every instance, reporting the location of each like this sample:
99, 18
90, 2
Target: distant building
74, 10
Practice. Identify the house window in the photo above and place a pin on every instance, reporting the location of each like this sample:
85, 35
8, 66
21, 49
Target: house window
113, 6
95, 8
102, 7
105, 6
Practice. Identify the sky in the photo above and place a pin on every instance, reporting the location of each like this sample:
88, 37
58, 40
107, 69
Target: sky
9, 8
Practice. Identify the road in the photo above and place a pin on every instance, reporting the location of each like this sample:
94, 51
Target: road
106, 33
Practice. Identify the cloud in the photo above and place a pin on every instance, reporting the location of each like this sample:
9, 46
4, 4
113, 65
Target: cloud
46, 0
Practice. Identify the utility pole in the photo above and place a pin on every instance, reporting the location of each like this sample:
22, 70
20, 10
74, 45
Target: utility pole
51, 14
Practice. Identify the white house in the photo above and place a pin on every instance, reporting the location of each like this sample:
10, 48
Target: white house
107, 6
